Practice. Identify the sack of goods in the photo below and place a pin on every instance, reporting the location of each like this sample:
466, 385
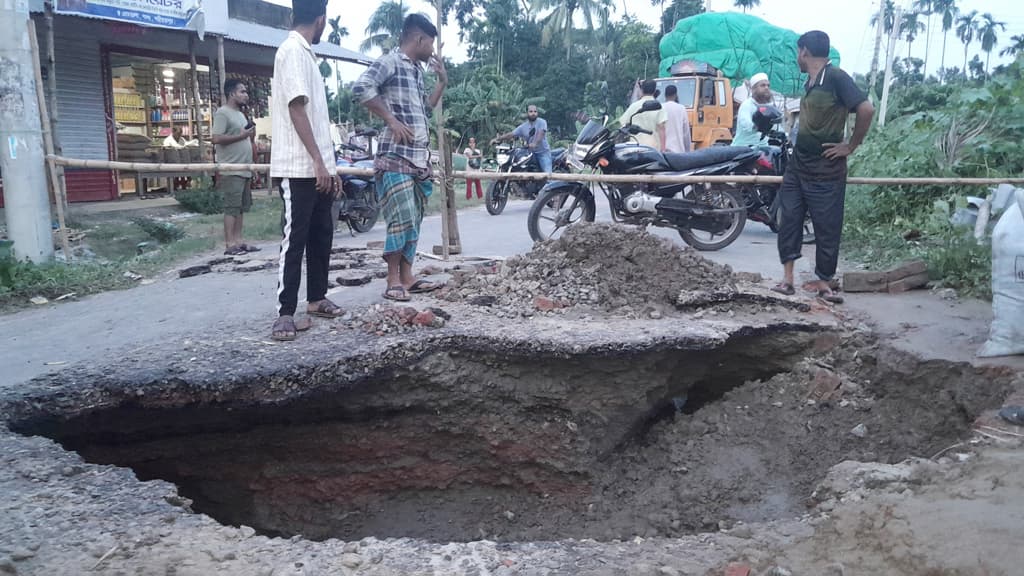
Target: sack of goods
1006, 336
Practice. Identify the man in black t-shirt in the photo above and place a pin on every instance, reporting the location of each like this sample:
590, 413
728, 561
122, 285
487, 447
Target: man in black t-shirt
815, 180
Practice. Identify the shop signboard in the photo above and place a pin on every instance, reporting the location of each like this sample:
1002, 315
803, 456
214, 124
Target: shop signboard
178, 14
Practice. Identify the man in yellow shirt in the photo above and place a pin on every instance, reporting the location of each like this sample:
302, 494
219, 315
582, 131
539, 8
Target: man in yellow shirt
653, 121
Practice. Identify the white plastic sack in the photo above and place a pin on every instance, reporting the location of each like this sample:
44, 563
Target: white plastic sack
1006, 336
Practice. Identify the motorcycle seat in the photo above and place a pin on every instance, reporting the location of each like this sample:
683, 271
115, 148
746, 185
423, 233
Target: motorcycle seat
707, 157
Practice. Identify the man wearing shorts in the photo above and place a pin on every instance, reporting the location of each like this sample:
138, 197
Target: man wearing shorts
232, 141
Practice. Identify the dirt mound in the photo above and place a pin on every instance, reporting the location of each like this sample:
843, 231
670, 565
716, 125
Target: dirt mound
604, 266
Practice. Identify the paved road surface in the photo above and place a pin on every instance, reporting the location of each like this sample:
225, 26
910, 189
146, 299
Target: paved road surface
169, 310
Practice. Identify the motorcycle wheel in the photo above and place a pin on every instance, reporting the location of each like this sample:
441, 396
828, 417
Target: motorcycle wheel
709, 242
496, 196
365, 222
555, 210
809, 237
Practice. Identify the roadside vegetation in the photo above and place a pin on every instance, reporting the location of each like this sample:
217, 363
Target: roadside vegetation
970, 127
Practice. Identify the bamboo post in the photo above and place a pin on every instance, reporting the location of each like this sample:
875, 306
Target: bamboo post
441, 146
198, 120
222, 73
51, 79
48, 140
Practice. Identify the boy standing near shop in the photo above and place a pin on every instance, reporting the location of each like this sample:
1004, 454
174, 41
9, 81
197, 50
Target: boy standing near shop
232, 141
299, 161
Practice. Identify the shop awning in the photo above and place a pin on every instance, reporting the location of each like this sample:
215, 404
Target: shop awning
251, 33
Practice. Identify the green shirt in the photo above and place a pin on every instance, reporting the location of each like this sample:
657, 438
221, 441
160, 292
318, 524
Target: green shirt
829, 99
230, 122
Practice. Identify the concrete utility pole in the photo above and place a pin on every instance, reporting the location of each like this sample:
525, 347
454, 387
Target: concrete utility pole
893, 35
879, 28
26, 202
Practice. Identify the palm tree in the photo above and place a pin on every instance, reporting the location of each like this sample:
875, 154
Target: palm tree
337, 33
385, 27
987, 33
948, 10
560, 19
746, 4
966, 30
910, 27
925, 8
1016, 46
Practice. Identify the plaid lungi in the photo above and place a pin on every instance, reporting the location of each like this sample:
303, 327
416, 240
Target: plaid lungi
403, 199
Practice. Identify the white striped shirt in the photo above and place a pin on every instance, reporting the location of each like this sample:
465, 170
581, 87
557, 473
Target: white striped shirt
297, 76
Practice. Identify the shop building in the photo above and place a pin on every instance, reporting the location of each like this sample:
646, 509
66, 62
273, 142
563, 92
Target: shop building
122, 88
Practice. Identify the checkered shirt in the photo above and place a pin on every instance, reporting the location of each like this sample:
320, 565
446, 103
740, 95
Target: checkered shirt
399, 83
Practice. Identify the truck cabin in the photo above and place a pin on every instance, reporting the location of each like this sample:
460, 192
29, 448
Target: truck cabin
708, 96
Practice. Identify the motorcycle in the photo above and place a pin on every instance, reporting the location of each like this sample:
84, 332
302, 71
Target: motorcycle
762, 200
518, 159
358, 207
692, 209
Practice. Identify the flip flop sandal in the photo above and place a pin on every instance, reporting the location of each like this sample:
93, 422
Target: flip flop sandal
249, 248
326, 309
423, 286
784, 289
830, 297
396, 293
284, 329
235, 251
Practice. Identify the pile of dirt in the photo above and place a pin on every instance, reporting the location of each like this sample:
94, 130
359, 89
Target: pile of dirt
604, 266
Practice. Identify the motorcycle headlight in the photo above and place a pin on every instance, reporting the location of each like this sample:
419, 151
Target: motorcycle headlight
502, 159
576, 155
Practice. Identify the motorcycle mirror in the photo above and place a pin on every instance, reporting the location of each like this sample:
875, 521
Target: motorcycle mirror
650, 106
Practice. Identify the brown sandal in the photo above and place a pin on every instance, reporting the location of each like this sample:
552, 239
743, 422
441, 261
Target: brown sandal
784, 288
284, 329
326, 309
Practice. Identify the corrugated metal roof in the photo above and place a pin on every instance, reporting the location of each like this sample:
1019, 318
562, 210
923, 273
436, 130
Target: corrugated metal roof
251, 33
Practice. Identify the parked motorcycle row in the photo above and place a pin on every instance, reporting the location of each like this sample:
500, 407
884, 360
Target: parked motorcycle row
706, 216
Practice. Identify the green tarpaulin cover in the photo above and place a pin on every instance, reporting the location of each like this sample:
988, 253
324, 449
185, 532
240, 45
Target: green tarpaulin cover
740, 46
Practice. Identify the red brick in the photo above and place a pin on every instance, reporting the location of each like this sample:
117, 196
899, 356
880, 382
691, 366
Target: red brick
425, 318
544, 304
737, 569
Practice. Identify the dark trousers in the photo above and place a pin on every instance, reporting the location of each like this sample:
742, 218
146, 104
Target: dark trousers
823, 200
308, 228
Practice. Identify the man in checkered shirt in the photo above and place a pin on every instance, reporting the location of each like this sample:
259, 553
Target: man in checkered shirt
392, 88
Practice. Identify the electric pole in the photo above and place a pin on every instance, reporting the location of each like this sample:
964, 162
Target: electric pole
893, 35
22, 164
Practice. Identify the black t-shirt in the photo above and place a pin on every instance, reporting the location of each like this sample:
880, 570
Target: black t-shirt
827, 103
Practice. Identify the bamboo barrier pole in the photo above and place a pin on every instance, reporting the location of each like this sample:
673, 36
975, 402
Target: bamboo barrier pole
44, 118
51, 79
606, 178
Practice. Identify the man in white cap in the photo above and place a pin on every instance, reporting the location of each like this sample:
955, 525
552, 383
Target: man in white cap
760, 93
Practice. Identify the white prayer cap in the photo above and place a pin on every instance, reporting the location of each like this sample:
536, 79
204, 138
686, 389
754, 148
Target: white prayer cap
759, 77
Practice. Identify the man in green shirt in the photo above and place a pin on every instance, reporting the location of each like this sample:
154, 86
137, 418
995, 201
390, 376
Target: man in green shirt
815, 179
232, 140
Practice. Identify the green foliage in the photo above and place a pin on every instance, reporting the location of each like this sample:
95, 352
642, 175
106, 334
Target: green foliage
162, 231
202, 200
946, 131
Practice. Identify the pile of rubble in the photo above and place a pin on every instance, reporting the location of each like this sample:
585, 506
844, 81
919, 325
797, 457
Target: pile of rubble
383, 319
613, 268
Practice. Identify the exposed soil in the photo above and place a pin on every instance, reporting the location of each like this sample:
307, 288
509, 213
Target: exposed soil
462, 447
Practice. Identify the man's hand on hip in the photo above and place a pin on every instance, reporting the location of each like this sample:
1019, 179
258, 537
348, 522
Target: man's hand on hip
402, 133
835, 151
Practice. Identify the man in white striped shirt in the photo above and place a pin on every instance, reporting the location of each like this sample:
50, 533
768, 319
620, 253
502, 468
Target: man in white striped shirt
302, 165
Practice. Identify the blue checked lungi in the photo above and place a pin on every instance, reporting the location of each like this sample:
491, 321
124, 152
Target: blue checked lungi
403, 199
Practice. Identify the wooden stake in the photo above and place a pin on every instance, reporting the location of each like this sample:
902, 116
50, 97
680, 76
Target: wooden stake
220, 68
198, 119
51, 78
442, 146
48, 141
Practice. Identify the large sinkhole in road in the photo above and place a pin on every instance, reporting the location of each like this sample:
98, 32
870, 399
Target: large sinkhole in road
480, 445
